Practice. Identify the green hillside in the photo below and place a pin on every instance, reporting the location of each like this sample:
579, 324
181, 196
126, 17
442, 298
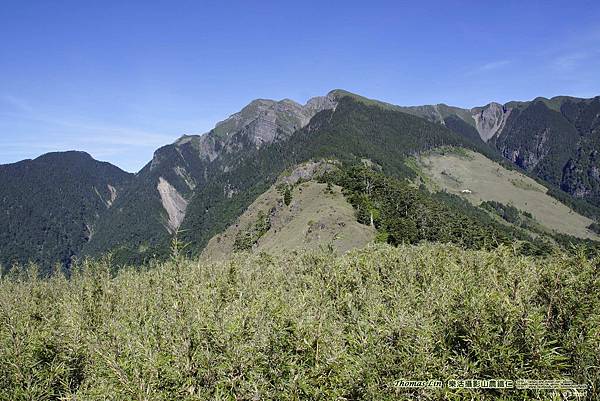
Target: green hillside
49, 206
306, 326
476, 178
189, 172
317, 217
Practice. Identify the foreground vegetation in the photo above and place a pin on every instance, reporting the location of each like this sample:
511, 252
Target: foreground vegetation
306, 326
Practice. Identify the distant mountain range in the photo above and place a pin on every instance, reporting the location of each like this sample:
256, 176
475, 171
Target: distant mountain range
65, 205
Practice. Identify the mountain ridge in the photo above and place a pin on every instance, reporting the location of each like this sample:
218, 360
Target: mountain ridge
199, 183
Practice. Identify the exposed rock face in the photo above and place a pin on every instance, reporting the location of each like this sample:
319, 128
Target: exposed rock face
261, 122
308, 171
320, 103
265, 121
490, 120
113, 194
183, 173
173, 203
107, 197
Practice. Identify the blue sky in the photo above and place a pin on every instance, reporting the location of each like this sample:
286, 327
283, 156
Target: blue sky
118, 79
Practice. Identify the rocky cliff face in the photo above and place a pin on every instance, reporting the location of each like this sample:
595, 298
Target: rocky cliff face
490, 120
261, 122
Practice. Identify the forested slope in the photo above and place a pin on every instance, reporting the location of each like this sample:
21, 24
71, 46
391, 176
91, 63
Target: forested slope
49, 206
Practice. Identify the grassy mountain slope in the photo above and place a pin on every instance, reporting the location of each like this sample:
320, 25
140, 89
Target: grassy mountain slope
317, 216
307, 326
402, 213
486, 180
201, 184
556, 140
50, 206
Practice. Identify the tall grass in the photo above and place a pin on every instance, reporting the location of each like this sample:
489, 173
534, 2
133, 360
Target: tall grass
305, 326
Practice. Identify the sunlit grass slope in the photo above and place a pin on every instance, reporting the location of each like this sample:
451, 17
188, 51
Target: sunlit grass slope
477, 178
317, 217
302, 326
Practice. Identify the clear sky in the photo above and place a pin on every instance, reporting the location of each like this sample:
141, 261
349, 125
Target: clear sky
119, 79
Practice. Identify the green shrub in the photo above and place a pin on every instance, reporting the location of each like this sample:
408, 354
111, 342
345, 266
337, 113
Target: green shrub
287, 196
595, 227
245, 239
508, 212
304, 326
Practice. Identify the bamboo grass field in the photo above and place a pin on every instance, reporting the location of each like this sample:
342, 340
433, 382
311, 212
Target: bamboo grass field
306, 325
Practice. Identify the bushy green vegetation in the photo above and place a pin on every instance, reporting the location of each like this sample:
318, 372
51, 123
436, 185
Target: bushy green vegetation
508, 212
595, 227
307, 326
285, 190
404, 214
245, 239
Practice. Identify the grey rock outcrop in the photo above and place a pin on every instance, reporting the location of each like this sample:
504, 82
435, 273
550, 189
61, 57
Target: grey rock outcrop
490, 119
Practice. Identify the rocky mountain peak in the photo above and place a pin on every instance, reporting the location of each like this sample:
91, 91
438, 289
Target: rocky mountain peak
261, 122
320, 103
490, 119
